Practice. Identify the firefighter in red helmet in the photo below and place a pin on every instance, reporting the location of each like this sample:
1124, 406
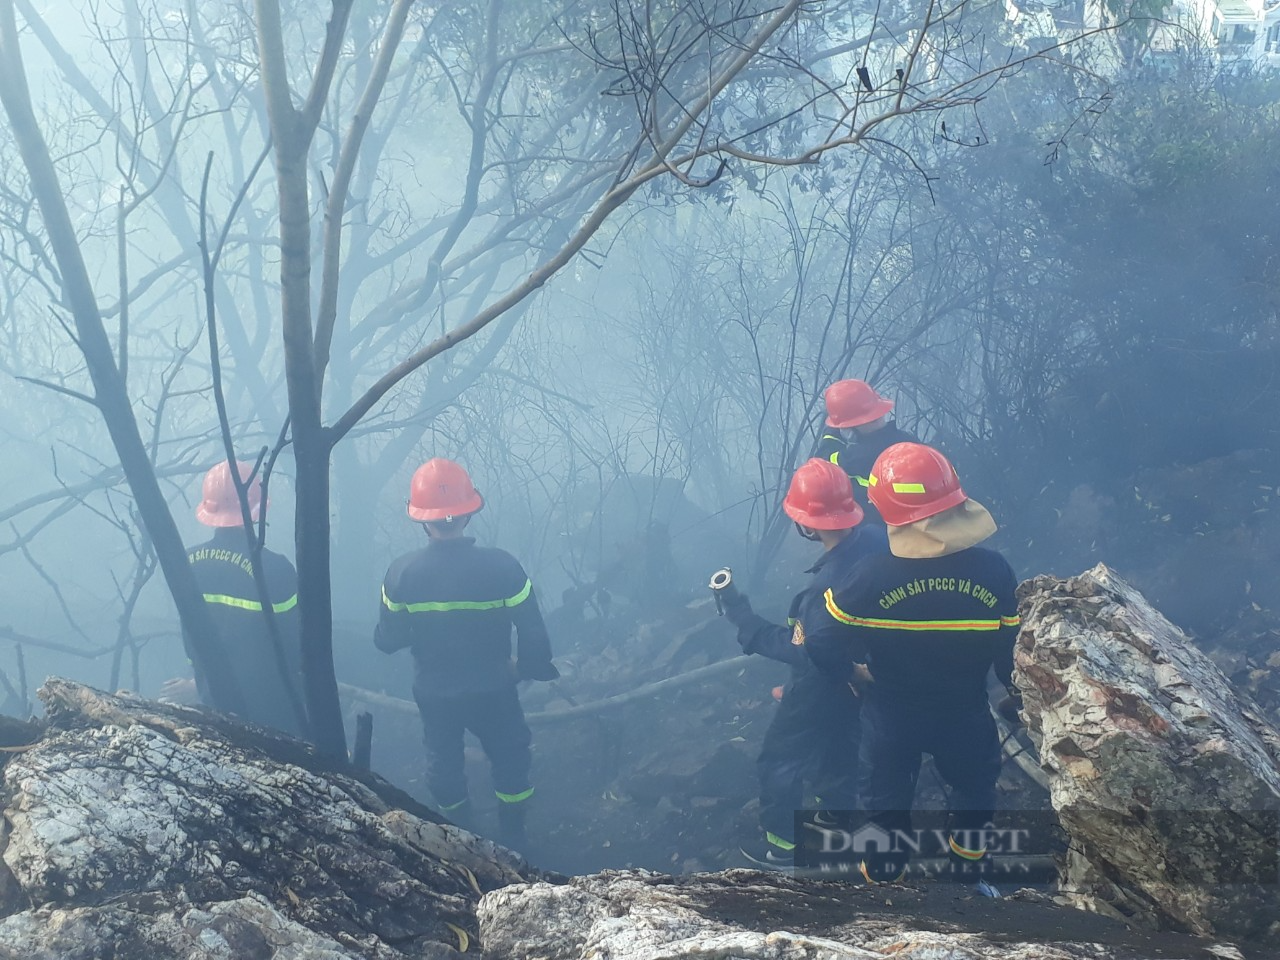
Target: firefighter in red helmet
813, 737
930, 620
858, 430
224, 571
453, 604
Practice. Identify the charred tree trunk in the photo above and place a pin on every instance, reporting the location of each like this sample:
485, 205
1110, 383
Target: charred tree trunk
310, 446
311, 538
311, 453
292, 131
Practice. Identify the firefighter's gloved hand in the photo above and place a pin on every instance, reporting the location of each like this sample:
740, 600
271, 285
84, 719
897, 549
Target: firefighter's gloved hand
1010, 709
737, 608
537, 671
862, 679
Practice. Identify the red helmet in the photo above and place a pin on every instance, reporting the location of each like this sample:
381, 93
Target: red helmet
441, 490
910, 482
220, 507
821, 497
851, 403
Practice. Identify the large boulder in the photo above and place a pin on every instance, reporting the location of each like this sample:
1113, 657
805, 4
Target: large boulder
1166, 780
747, 915
181, 834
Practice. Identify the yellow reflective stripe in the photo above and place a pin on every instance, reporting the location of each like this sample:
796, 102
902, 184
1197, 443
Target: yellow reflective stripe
862, 867
1013, 621
441, 606
881, 623
513, 797
872, 480
792, 621
834, 609
520, 597
242, 604
451, 807
835, 457
777, 841
908, 488
863, 481
965, 852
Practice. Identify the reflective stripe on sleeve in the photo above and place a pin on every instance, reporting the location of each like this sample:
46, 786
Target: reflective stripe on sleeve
240, 603
441, 606
880, 623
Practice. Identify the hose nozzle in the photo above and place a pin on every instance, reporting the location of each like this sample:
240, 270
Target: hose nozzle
721, 584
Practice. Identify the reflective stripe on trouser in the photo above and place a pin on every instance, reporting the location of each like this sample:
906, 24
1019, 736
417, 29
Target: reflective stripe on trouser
520, 797
812, 738
779, 842
957, 848
965, 747
874, 872
497, 720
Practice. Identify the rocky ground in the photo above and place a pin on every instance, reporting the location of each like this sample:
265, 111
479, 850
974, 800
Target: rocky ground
137, 831
748, 915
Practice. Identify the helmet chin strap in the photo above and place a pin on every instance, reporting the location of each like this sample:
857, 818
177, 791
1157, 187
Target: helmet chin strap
807, 532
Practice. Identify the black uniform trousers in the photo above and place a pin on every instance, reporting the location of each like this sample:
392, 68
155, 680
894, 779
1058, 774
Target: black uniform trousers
965, 746
497, 720
813, 738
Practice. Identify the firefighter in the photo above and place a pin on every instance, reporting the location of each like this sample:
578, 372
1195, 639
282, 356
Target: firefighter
929, 620
860, 431
453, 604
814, 733
224, 571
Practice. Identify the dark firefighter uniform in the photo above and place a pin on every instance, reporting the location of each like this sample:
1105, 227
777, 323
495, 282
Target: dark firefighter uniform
814, 734
929, 630
224, 573
453, 604
856, 455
